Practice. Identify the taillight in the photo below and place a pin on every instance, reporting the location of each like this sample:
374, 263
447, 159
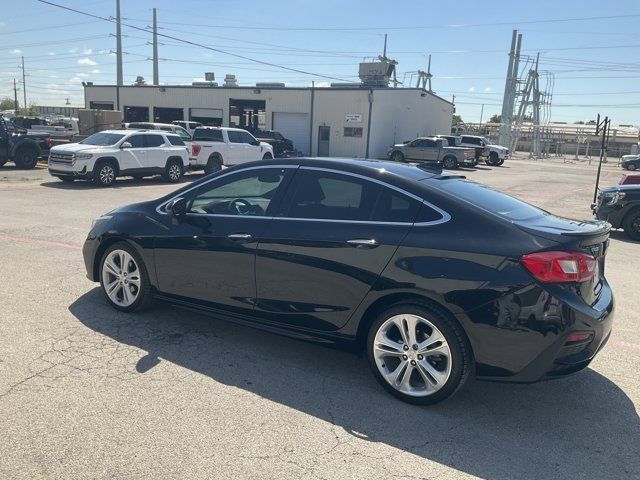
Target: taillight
560, 267
47, 141
195, 149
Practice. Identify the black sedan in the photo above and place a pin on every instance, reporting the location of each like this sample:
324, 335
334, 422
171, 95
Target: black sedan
630, 162
434, 277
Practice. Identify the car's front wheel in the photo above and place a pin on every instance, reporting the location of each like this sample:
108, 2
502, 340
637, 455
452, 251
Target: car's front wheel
632, 224
105, 173
631, 167
397, 157
173, 171
492, 159
124, 278
418, 354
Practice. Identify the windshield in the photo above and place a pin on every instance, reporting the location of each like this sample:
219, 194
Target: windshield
102, 139
489, 199
487, 141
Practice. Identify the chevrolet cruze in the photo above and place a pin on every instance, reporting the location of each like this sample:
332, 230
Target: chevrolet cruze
436, 278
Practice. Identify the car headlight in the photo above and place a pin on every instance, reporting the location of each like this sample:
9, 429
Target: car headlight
101, 219
613, 199
83, 156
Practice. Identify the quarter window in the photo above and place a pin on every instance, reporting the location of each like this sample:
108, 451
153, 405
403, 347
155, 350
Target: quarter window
393, 206
208, 135
175, 140
248, 193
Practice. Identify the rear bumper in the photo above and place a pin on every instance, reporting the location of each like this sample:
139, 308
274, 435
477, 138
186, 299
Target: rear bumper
530, 343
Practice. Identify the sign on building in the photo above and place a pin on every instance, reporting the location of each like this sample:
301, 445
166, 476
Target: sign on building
353, 118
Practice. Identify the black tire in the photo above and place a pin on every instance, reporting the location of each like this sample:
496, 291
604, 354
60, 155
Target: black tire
26, 158
267, 156
461, 357
631, 224
67, 179
144, 297
492, 159
631, 167
397, 156
214, 164
450, 163
500, 162
105, 173
173, 171
2, 162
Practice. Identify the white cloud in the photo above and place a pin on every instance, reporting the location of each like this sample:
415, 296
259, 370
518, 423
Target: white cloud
86, 61
95, 71
87, 51
51, 54
15, 51
73, 50
472, 89
488, 89
75, 79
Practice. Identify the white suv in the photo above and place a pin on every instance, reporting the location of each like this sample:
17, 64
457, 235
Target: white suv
112, 153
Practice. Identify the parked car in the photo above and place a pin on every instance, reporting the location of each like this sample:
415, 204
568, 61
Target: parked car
630, 162
104, 156
214, 147
432, 149
435, 277
455, 141
282, 146
189, 126
628, 179
20, 147
493, 154
620, 206
165, 127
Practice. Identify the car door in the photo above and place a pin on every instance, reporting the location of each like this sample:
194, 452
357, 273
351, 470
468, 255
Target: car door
210, 256
253, 150
237, 147
327, 245
132, 159
157, 152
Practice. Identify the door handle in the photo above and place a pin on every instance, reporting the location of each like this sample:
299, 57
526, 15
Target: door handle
239, 236
363, 243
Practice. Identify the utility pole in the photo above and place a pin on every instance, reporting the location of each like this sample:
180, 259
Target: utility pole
505, 117
118, 46
536, 111
24, 85
606, 125
156, 76
15, 97
481, 112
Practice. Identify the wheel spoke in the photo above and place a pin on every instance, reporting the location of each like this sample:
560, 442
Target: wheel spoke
436, 377
112, 290
387, 346
405, 384
127, 296
111, 267
399, 322
393, 376
411, 323
435, 341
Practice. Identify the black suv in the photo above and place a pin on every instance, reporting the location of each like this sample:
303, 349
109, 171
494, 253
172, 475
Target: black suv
21, 147
620, 206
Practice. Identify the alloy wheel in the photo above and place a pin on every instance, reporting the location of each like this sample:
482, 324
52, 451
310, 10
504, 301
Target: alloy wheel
121, 278
174, 172
107, 174
412, 355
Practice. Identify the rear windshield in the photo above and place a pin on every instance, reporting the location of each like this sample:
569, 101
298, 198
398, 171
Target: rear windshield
489, 199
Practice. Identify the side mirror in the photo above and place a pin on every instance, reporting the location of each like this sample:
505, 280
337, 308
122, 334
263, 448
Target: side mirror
177, 208
255, 143
126, 145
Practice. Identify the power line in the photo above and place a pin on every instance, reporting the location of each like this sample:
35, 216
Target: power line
196, 44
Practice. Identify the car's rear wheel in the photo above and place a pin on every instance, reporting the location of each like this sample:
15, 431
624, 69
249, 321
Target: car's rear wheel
124, 278
450, 163
500, 162
418, 354
631, 167
214, 164
104, 174
492, 159
632, 224
173, 171
267, 156
397, 157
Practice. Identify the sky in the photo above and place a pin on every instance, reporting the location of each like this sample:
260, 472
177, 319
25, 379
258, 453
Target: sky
589, 50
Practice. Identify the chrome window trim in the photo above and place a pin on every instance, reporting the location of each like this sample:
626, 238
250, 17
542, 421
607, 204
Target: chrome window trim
445, 216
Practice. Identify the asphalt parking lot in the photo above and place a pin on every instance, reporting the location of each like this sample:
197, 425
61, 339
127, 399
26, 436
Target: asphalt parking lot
88, 392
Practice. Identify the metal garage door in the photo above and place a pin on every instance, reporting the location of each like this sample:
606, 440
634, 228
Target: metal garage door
295, 127
206, 112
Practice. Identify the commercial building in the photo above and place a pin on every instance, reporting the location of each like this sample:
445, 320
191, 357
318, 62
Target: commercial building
343, 120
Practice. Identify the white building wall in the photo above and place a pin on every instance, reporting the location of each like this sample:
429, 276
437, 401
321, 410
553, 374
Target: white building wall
404, 114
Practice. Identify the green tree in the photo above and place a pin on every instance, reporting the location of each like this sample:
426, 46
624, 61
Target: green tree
579, 122
7, 104
30, 111
456, 119
495, 118
591, 122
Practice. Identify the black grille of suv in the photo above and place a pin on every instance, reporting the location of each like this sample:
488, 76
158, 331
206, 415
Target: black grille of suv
61, 157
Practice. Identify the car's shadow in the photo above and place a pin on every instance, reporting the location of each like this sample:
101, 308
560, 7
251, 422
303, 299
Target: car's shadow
621, 236
579, 427
124, 182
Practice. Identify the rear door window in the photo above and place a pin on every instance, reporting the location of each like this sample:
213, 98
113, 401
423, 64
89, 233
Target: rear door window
136, 141
208, 135
153, 140
236, 137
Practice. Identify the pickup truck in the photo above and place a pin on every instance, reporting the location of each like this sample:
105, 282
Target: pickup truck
213, 147
21, 147
493, 154
620, 206
432, 149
